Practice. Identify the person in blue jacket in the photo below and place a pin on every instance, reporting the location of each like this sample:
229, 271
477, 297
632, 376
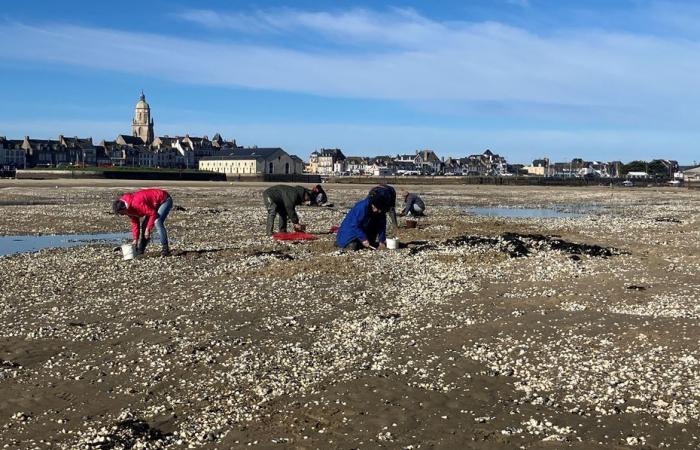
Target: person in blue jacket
364, 226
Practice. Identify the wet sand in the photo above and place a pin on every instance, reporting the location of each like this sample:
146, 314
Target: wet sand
238, 340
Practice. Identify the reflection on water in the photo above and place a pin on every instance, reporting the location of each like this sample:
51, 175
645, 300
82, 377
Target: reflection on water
541, 213
31, 243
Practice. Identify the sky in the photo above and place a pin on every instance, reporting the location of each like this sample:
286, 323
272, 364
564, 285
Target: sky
600, 80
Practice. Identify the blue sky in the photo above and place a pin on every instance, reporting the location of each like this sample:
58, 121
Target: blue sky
526, 78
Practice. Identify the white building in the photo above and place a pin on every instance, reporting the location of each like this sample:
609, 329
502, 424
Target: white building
692, 174
253, 161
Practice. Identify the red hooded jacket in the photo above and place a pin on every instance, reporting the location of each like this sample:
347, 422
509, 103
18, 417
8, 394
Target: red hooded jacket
143, 203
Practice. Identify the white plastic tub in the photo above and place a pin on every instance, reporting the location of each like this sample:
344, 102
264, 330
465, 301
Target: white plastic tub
128, 251
392, 243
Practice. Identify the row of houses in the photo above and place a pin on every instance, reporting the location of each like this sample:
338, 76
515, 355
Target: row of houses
164, 152
328, 162
577, 167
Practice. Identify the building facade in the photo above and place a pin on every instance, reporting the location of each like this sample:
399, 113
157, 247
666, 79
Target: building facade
12, 154
327, 159
253, 161
142, 125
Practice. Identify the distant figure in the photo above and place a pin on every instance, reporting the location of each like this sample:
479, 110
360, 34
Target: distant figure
365, 225
387, 196
318, 196
281, 200
151, 204
413, 204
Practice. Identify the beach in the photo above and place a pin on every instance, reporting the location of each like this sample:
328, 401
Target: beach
489, 332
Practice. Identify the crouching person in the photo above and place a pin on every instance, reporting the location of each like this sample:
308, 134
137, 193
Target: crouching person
413, 204
281, 200
147, 208
364, 226
318, 196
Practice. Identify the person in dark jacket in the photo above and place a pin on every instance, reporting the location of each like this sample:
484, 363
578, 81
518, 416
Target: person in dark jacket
364, 226
412, 204
318, 196
281, 200
387, 198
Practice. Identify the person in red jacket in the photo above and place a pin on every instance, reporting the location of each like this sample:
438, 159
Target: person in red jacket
153, 205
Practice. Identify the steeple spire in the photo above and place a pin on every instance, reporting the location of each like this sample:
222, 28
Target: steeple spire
143, 97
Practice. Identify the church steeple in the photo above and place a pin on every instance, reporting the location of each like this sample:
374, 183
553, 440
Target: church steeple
142, 125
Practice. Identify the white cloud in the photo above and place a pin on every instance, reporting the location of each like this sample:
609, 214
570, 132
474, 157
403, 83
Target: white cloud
471, 62
400, 55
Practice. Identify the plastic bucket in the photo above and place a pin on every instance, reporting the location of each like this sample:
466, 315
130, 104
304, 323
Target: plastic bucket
128, 251
392, 244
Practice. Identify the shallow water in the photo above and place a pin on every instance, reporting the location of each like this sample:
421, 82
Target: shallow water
540, 213
30, 243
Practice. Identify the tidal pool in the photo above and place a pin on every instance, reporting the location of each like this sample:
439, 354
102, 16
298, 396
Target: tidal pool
31, 243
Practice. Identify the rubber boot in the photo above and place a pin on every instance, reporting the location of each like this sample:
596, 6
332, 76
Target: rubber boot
165, 251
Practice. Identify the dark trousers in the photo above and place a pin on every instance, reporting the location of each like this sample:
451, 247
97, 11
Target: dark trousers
274, 210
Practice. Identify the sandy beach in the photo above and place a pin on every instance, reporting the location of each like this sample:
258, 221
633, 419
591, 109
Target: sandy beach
484, 332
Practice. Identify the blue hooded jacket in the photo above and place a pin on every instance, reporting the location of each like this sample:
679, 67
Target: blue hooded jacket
361, 222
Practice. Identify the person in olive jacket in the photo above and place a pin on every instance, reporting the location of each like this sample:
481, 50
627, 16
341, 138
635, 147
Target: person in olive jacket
281, 200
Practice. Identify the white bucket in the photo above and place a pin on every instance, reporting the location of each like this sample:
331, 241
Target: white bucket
128, 251
392, 243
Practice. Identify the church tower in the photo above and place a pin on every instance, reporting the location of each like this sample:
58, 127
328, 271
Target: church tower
142, 126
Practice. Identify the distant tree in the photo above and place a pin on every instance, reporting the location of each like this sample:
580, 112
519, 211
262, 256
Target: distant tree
633, 166
658, 169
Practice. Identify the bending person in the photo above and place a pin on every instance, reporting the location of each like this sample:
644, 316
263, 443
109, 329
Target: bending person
364, 226
281, 200
153, 205
413, 204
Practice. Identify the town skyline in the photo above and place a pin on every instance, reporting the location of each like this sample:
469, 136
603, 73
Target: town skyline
311, 77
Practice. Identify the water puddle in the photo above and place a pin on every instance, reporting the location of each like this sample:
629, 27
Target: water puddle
538, 213
30, 243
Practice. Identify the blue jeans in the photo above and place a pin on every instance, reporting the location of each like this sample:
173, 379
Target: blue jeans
163, 212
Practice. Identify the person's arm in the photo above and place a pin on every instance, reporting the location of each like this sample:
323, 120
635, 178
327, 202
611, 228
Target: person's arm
291, 211
134, 229
381, 236
410, 201
355, 223
152, 215
392, 216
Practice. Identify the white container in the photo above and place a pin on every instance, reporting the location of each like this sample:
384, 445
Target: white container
392, 243
128, 251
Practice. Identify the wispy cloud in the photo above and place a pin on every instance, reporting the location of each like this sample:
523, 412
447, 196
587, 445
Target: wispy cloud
399, 26
408, 58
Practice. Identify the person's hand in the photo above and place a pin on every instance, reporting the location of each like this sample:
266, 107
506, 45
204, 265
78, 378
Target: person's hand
298, 227
382, 245
147, 235
365, 243
135, 242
